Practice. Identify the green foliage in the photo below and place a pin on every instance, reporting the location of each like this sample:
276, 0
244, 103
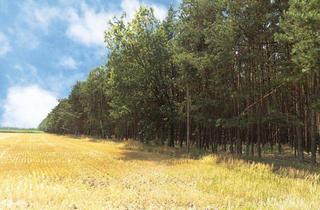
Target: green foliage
301, 27
250, 68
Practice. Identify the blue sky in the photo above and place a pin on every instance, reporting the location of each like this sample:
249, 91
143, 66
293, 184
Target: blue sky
46, 46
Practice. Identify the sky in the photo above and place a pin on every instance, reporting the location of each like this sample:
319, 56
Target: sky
48, 45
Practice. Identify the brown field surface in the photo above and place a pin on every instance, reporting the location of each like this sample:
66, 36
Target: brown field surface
42, 171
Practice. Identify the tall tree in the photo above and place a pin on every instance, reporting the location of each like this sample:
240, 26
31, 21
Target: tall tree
301, 28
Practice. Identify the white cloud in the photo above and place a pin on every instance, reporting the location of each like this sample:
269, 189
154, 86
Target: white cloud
44, 16
68, 63
26, 107
39, 16
87, 25
4, 45
33, 19
130, 7
160, 12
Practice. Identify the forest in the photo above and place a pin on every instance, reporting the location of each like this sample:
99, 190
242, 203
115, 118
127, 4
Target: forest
220, 76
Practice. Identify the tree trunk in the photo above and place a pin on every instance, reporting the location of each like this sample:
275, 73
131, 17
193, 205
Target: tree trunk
188, 118
313, 138
298, 128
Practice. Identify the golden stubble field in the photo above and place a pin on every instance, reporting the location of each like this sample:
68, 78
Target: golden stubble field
42, 171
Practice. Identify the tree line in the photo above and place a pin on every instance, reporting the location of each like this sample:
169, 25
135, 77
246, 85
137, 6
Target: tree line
223, 75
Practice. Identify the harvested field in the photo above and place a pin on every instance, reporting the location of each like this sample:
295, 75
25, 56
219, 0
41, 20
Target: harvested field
42, 171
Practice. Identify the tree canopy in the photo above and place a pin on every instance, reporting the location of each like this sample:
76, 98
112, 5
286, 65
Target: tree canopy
235, 76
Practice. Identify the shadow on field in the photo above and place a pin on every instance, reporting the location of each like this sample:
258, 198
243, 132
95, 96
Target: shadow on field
288, 166
285, 165
133, 150
281, 164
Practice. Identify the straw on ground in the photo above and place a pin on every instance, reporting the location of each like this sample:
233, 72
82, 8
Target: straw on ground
42, 171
